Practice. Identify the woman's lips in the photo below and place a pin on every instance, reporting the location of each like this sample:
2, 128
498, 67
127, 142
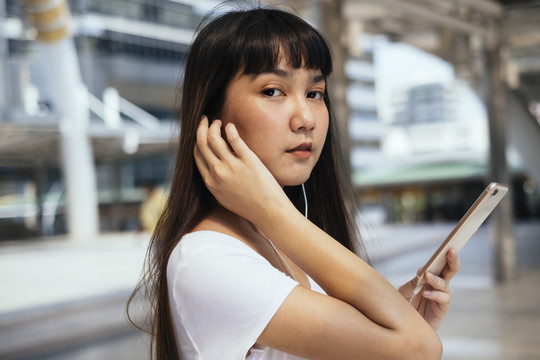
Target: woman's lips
302, 151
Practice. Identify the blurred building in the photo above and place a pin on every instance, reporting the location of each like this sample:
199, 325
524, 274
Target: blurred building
130, 55
436, 155
437, 120
364, 128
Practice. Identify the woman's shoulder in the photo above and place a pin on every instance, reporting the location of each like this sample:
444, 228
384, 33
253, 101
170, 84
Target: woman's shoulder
208, 241
208, 248
207, 259
209, 238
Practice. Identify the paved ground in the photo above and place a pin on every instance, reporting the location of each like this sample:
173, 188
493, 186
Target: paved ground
66, 301
62, 300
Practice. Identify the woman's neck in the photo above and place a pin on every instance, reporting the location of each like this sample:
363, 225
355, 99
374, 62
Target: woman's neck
222, 220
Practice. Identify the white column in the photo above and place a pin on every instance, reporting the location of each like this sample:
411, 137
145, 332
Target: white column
4, 56
69, 97
51, 18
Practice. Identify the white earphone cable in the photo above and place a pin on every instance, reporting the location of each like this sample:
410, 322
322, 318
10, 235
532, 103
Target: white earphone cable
305, 201
272, 244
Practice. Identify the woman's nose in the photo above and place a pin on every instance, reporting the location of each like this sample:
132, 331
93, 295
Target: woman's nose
303, 117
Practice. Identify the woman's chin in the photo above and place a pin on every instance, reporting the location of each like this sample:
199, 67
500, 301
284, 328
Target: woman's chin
296, 181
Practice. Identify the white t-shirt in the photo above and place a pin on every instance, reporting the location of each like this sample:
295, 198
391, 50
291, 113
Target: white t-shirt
222, 295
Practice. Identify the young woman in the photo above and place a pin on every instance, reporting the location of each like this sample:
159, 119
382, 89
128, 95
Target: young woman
236, 270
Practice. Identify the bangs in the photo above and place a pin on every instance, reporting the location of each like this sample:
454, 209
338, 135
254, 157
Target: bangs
265, 39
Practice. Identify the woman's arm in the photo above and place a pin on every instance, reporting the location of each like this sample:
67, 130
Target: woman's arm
364, 313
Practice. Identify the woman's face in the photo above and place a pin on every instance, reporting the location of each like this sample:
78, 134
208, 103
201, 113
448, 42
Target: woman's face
282, 117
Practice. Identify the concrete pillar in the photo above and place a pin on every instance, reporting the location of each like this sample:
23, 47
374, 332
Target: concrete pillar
504, 257
115, 184
524, 134
334, 28
39, 181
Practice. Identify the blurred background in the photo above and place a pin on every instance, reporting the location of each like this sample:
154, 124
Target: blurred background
435, 99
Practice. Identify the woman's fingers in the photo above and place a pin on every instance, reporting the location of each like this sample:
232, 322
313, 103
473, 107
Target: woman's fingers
206, 159
438, 289
453, 264
436, 282
211, 147
208, 139
200, 162
217, 142
237, 144
202, 140
440, 297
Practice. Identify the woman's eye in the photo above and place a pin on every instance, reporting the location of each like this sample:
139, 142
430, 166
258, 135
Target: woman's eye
272, 92
317, 95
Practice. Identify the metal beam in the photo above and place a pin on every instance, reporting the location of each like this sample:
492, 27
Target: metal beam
91, 23
488, 7
355, 10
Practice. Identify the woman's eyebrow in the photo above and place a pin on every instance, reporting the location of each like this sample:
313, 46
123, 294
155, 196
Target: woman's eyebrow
318, 78
286, 74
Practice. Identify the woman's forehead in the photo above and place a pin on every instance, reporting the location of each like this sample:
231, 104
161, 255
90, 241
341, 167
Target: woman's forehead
282, 67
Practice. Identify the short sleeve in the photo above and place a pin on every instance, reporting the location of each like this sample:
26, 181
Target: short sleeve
222, 295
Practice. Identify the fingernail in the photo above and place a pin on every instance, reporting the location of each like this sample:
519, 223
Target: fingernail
427, 292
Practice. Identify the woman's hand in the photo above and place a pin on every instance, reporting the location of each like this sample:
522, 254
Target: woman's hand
433, 301
234, 175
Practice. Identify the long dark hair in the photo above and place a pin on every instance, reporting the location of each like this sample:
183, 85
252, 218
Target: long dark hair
239, 42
